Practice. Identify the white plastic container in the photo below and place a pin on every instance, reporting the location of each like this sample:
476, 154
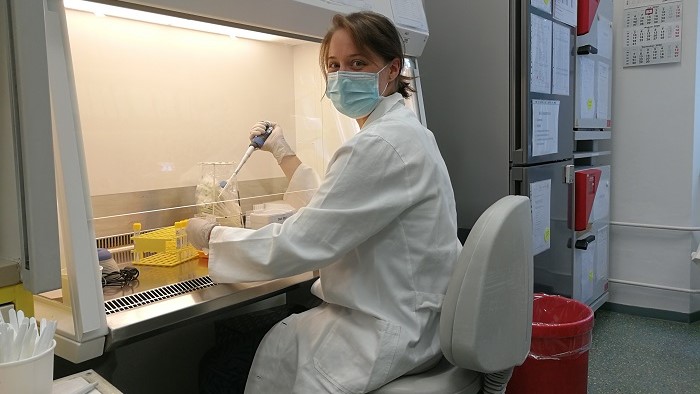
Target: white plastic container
269, 212
32, 375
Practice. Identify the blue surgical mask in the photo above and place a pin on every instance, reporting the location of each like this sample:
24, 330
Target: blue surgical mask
354, 94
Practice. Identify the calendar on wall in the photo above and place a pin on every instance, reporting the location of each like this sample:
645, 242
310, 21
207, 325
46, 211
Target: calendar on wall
652, 32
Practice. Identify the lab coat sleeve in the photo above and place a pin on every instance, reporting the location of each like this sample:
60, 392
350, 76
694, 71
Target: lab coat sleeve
366, 188
301, 187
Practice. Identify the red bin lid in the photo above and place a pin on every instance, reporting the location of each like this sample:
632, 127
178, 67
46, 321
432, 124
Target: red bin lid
560, 317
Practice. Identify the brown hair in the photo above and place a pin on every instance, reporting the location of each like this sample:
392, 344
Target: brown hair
371, 32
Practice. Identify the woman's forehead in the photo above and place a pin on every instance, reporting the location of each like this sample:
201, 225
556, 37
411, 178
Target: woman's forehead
342, 45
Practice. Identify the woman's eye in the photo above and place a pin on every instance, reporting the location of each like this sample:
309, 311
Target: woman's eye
332, 66
357, 64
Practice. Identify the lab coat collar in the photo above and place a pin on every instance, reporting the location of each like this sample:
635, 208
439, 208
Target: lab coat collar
384, 106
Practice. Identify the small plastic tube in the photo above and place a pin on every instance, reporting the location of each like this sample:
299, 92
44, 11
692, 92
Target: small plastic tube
185, 241
136, 227
179, 229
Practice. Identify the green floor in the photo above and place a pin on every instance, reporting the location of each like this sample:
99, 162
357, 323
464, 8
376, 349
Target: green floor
632, 354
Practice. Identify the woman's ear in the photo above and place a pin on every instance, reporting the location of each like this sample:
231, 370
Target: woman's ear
394, 69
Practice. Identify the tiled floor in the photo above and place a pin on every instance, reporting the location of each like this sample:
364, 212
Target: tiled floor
632, 354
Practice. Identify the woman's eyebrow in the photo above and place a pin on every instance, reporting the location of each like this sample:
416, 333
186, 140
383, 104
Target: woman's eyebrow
350, 55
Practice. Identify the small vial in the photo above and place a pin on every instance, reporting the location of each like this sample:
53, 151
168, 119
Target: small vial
185, 241
136, 227
179, 238
180, 234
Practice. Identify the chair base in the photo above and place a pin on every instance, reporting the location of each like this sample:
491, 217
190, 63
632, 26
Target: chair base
444, 378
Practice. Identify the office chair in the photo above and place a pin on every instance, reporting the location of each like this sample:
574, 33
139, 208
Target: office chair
486, 318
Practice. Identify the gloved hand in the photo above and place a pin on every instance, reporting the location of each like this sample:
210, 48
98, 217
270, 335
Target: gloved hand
198, 232
275, 143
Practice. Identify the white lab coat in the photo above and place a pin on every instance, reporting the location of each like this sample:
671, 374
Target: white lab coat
382, 229
301, 187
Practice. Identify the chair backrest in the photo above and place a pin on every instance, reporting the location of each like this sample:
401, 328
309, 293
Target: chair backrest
486, 319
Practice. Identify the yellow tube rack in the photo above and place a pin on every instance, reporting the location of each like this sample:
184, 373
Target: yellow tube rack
163, 243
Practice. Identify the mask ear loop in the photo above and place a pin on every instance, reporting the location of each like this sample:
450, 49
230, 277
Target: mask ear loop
387, 84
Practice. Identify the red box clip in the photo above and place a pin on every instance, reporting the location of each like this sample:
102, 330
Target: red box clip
586, 186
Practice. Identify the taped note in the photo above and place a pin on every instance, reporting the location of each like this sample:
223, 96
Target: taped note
540, 200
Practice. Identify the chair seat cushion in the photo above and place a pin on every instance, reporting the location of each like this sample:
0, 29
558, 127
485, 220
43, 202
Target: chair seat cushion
444, 378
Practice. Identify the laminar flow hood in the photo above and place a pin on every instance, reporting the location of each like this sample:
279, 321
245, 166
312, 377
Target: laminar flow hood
132, 110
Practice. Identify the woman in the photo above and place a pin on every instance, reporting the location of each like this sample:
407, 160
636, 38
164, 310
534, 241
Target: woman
381, 228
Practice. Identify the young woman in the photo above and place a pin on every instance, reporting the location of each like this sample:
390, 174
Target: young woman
381, 228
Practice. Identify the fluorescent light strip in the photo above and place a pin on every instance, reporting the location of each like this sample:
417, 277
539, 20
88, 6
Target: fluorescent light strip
150, 17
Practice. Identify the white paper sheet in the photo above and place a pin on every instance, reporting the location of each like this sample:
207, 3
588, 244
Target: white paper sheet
601, 239
74, 385
540, 54
601, 202
410, 13
603, 99
587, 258
540, 200
545, 127
587, 93
652, 32
641, 3
604, 38
544, 5
561, 37
565, 11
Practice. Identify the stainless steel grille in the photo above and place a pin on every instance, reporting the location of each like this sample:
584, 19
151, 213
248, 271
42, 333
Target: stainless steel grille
114, 241
157, 294
120, 246
122, 256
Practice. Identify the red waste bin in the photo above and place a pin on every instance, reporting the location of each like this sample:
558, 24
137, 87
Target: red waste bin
558, 358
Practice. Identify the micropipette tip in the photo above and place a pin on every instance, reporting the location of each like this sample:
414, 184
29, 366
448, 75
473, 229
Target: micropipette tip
247, 154
256, 143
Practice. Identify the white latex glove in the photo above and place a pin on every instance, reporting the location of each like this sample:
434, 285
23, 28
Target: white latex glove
275, 143
198, 232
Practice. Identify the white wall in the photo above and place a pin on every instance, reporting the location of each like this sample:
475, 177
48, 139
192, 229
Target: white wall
155, 101
655, 174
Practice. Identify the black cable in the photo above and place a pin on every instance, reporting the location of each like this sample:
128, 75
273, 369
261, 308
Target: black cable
120, 278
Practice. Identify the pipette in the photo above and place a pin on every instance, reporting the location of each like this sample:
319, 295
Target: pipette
255, 143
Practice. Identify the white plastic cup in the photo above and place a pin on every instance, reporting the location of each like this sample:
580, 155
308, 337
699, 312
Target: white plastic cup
33, 375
